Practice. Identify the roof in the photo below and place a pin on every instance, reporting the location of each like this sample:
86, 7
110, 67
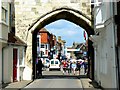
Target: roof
15, 40
43, 30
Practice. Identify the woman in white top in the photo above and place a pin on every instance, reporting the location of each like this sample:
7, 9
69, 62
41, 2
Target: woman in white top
74, 67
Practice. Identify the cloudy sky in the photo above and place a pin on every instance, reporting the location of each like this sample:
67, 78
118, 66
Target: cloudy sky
68, 31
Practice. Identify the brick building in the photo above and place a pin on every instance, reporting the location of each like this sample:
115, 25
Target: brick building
46, 43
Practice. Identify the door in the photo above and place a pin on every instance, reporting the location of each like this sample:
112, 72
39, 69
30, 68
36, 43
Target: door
15, 64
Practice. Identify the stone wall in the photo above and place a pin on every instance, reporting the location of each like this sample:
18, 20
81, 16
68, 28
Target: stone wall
28, 11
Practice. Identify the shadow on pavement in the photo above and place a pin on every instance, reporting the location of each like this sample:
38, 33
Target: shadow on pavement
95, 84
62, 76
4, 85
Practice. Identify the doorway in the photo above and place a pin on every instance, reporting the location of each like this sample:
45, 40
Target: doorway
15, 57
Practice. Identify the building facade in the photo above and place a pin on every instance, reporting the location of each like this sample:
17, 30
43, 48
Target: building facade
104, 44
53, 42
61, 48
45, 43
4, 29
13, 63
12, 49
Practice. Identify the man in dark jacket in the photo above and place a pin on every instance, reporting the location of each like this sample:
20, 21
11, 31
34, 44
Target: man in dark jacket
79, 66
39, 67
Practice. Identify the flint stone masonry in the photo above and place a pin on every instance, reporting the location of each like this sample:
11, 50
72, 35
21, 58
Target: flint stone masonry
28, 11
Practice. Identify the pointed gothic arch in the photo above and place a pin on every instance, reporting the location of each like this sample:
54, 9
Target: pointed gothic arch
68, 14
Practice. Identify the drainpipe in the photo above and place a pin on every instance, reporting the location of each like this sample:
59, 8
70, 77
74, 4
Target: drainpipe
116, 49
117, 71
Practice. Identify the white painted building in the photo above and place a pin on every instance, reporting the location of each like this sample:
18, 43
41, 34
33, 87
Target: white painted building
9, 55
0, 63
11, 48
104, 44
4, 27
38, 43
70, 52
42, 48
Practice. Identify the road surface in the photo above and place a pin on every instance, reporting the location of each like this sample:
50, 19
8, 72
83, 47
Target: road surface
55, 79
67, 82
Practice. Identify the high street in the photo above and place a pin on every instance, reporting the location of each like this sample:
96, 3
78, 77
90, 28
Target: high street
56, 79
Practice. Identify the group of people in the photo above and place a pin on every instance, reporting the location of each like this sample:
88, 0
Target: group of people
68, 66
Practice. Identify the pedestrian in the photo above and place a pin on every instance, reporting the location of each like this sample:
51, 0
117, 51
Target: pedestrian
74, 67
85, 63
39, 67
69, 67
79, 66
64, 66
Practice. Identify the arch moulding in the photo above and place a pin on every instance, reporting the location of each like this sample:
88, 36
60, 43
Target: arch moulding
71, 15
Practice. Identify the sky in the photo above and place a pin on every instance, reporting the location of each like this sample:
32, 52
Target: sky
68, 31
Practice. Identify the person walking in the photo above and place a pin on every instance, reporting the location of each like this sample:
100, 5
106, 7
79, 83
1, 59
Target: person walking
69, 67
64, 66
85, 63
79, 66
74, 67
39, 67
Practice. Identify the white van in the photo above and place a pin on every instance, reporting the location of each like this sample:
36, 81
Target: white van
54, 64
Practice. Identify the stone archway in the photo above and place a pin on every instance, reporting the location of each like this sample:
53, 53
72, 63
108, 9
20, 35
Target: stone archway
68, 14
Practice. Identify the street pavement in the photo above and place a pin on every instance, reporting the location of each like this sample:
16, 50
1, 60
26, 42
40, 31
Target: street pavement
54, 79
56, 83
16, 85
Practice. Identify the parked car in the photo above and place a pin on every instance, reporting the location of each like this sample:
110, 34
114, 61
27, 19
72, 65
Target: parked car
54, 64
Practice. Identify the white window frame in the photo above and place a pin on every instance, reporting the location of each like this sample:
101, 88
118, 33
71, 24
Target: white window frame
96, 2
4, 15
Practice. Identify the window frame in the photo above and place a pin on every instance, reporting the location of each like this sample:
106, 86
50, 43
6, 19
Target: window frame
56, 62
52, 62
42, 46
4, 15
